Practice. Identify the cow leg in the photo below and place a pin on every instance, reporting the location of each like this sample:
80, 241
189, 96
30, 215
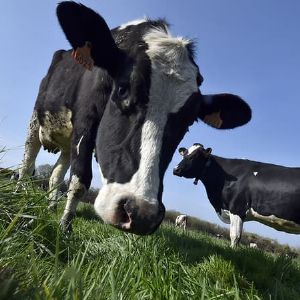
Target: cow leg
81, 175
75, 193
236, 228
58, 173
32, 147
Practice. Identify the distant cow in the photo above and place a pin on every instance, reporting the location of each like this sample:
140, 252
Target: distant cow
9, 173
130, 94
253, 245
242, 190
181, 221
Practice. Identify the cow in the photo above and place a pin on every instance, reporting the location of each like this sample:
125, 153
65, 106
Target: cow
181, 221
243, 190
6, 173
253, 245
129, 95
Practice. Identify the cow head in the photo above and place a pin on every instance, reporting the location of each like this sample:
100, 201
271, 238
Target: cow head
195, 160
153, 99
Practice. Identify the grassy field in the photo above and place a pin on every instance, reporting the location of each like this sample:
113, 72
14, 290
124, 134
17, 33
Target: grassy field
99, 262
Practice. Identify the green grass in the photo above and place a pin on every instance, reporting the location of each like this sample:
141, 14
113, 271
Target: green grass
99, 262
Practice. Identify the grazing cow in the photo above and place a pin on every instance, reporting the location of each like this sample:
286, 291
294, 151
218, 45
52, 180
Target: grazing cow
6, 173
9, 173
131, 97
181, 221
253, 245
243, 190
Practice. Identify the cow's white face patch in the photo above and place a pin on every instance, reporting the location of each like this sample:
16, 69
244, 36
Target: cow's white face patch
255, 173
173, 81
192, 149
133, 23
274, 222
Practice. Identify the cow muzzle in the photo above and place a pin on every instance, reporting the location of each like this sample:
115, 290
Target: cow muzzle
177, 171
131, 214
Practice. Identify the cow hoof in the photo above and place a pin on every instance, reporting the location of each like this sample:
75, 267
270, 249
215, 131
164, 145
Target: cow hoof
66, 224
66, 227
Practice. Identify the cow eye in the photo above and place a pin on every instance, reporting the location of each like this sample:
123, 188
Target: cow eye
123, 91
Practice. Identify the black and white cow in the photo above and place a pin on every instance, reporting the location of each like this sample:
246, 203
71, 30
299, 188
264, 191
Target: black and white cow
181, 221
243, 190
131, 96
253, 245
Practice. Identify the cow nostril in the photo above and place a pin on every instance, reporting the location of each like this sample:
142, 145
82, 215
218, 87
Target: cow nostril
122, 214
177, 171
125, 214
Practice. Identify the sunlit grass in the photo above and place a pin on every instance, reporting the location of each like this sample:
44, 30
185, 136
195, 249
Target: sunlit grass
99, 262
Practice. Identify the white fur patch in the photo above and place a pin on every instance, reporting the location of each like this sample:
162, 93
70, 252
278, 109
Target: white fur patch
255, 173
236, 228
173, 80
192, 149
134, 22
78, 145
32, 147
58, 174
75, 192
224, 216
169, 55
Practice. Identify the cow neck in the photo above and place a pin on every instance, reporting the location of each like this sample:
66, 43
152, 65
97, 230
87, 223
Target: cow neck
204, 170
214, 179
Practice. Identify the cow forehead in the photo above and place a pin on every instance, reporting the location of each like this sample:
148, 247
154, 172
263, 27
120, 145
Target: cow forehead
170, 55
132, 23
173, 75
193, 148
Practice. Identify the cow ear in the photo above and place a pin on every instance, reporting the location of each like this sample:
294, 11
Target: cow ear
182, 151
89, 36
208, 151
224, 111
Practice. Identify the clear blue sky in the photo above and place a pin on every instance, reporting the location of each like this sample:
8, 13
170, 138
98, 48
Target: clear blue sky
251, 48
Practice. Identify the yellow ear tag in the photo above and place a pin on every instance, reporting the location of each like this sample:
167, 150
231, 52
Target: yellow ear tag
214, 120
82, 55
